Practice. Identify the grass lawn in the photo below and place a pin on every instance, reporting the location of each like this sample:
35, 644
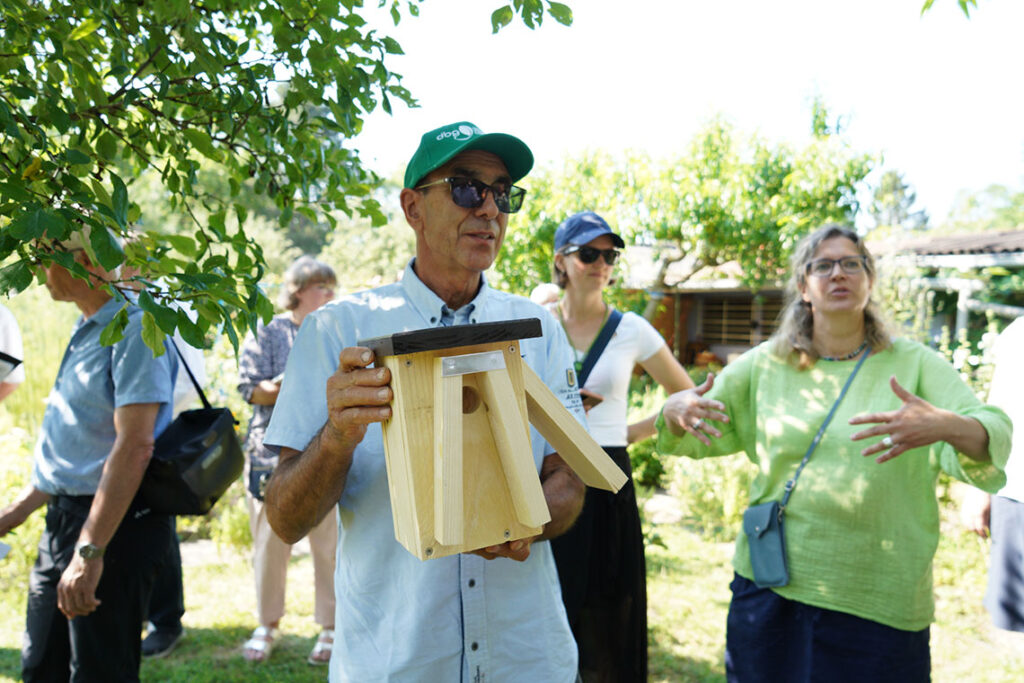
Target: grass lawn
688, 598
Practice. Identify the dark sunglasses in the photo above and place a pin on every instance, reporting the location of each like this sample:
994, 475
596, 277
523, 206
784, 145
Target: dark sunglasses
469, 193
590, 254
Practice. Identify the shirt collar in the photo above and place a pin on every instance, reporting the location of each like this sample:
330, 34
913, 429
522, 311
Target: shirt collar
431, 306
105, 314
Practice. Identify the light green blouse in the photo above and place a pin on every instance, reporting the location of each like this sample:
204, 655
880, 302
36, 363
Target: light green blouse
860, 536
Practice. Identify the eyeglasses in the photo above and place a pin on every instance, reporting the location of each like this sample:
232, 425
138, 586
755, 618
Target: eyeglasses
590, 254
851, 265
469, 193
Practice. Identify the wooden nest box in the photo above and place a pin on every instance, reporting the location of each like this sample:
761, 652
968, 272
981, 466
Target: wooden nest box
460, 465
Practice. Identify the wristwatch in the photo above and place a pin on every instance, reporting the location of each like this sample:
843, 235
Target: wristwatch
88, 551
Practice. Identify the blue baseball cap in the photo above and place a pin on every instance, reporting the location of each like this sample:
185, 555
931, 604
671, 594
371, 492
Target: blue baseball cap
582, 227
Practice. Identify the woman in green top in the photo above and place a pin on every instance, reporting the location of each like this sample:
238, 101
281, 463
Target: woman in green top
862, 523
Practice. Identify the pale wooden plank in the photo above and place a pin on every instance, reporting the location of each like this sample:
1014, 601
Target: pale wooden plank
448, 508
513, 443
568, 437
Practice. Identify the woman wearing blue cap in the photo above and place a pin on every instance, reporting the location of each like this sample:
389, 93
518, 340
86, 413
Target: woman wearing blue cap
601, 559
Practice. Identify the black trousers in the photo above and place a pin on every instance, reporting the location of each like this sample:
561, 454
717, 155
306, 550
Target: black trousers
167, 604
602, 571
105, 645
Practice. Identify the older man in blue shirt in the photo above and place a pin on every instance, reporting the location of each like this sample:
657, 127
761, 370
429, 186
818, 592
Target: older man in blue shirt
100, 551
493, 615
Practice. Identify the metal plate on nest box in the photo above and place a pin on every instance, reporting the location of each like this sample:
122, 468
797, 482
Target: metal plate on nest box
434, 338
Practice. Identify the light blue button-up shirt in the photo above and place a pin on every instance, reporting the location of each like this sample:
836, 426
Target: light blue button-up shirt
455, 618
77, 432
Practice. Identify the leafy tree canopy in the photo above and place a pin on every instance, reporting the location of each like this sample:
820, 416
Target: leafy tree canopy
996, 208
265, 93
730, 197
892, 205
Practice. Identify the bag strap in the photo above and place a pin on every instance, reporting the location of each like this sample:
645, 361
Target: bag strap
195, 383
791, 484
597, 348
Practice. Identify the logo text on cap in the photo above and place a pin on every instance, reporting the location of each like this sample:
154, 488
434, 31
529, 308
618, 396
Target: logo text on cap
460, 133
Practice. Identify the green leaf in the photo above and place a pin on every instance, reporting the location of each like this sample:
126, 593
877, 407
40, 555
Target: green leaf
202, 142
106, 147
75, 156
16, 276
14, 192
101, 192
120, 203
184, 244
105, 247
500, 18
392, 47
114, 331
153, 335
84, 29
165, 316
285, 219
191, 332
561, 13
35, 223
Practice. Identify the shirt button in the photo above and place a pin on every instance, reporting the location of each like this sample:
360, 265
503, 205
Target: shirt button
474, 647
433, 320
472, 582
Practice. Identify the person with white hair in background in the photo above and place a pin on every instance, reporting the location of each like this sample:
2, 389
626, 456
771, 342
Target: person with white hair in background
308, 284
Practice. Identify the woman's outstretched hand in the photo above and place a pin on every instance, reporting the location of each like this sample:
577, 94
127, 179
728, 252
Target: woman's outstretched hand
688, 411
916, 423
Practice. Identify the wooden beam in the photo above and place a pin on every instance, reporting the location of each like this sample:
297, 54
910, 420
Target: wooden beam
568, 437
513, 444
448, 467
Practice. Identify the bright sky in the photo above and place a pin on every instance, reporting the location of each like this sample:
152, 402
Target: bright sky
939, 95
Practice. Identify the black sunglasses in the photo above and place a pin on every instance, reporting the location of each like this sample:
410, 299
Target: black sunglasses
469, 193
590, 254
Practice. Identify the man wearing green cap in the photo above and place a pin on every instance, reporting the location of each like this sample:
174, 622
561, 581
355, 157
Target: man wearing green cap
493, 615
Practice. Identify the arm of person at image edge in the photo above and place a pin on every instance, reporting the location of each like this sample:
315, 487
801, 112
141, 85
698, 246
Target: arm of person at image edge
666, 370
307, 484
976, 505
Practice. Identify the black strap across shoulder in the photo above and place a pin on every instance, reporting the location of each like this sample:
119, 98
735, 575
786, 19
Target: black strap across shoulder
597, 348
195, 383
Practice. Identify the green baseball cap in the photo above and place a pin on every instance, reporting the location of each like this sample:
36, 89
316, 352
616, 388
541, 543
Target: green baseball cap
438, 146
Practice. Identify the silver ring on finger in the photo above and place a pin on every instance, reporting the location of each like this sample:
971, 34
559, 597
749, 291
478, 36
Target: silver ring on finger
888, 442
699, 424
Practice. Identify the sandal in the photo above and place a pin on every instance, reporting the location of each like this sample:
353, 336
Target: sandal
260, 644
321, 653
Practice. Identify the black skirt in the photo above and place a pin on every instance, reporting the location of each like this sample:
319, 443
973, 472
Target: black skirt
604, 582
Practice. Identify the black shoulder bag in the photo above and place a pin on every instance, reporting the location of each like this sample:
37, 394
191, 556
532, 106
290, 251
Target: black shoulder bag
194, 460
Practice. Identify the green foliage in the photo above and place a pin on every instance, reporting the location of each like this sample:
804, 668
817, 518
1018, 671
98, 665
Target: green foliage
264, 93
729, 197
645, 398
892, 203
996, 208
367, 256
532, 13
965, 6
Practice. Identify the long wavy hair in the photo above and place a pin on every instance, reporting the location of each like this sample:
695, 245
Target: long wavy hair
794, 338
